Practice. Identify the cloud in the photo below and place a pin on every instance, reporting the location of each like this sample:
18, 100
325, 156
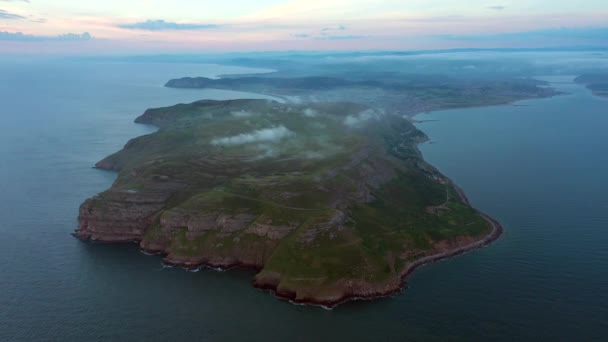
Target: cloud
310, 113
326, 34
266, 135
293, 99
366, 115
241, 114
599, 33
161, 25
313, 155
334, 28
21, 37
7, 15
437, 19
496, 8
345, 37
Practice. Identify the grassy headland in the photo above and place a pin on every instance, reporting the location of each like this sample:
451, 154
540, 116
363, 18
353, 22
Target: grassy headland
329, 201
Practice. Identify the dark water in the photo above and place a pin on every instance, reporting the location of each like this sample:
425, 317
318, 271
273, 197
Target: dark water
541, 169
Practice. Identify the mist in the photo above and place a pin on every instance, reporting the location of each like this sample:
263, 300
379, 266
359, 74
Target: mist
269, 135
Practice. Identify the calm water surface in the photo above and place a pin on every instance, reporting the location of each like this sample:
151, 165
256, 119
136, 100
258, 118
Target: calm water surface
539, 167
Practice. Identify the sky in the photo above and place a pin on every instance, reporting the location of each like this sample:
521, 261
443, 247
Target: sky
174, 26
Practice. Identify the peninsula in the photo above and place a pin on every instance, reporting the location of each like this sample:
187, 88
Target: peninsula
327, 201
407, 95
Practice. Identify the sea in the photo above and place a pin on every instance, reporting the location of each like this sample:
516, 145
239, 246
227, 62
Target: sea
538, 166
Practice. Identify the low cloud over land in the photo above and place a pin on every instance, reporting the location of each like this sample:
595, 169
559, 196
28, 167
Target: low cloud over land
366, 115
273, 134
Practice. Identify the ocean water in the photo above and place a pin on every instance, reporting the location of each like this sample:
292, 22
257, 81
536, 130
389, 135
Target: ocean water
539, 167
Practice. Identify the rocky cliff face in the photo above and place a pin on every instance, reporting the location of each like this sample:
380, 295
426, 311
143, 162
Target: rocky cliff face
328, 202
119, 216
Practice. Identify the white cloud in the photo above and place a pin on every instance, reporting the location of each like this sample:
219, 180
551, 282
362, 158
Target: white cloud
8, 15
68, 37
241, 114
293, 99
310, 113
313, 155
366, 115
267, 135
161, 25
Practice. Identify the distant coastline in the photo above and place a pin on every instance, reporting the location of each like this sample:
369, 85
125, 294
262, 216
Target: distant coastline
596, 83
